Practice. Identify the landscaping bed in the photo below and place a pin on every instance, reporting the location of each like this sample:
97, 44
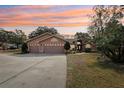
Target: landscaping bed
11, 51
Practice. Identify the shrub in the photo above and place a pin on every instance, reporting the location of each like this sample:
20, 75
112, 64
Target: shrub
24, 48
87, 49
67, 46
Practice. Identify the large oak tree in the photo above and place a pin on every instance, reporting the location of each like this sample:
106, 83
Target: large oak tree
108, 31
42, 29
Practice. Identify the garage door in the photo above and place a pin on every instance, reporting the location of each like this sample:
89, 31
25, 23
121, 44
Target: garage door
54, 49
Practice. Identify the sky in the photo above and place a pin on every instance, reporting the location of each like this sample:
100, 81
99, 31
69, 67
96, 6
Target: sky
67, 19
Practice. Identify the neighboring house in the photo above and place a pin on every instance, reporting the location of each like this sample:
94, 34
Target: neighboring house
47, 43
88, 45
72, 43
11, 46
5, 46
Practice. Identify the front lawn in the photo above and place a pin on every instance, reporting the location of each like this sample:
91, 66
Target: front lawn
85, 71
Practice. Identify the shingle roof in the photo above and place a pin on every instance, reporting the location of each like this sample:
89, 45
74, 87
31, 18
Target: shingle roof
51, 35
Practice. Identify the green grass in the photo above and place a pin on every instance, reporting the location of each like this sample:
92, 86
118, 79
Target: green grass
85, 71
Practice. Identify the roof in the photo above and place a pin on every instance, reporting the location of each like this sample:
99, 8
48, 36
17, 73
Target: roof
51, 35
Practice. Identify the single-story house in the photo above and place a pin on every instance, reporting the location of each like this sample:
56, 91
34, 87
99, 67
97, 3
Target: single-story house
47, 43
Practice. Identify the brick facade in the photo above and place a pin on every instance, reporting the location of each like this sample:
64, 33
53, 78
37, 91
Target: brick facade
46, 43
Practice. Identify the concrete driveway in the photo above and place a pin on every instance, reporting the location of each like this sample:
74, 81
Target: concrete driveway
32, 71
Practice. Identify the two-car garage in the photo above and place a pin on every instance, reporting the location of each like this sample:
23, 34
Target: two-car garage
52, 44
53, 49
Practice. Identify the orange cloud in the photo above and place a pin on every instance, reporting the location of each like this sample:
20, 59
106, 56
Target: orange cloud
31, 23
69, 13
75, 17
77, 12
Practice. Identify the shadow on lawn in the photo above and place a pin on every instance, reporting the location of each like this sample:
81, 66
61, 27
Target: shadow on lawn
119, 68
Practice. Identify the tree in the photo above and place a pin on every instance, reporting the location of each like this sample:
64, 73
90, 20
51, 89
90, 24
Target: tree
67, 46
3, 35
20, 37
42, 29
17, 37
82, 36
108, 32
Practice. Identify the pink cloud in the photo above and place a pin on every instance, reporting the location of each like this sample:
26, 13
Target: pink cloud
19, 17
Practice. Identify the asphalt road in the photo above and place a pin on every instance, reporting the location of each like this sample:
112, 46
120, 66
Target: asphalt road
32, 71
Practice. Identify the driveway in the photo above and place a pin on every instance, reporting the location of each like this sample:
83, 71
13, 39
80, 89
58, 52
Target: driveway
32, 71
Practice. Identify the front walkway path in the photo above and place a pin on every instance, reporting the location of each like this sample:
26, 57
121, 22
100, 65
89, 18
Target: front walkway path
33, 71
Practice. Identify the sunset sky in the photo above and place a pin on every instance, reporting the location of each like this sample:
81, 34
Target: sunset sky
66, 19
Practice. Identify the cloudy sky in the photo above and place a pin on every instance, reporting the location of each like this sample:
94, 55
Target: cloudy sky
66, 19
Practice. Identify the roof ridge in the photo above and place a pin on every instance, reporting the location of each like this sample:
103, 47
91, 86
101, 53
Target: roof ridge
39, 36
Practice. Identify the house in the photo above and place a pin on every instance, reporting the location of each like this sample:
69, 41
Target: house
11, 46
47, 43
72, 43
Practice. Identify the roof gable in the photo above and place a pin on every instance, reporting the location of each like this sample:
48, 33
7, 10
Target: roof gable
44, 38
54, 37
